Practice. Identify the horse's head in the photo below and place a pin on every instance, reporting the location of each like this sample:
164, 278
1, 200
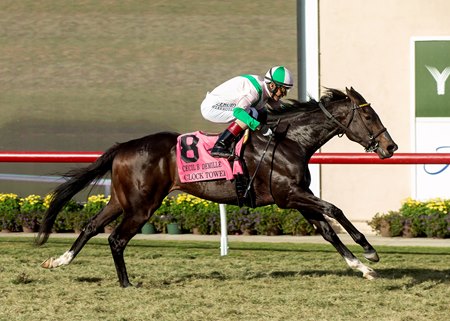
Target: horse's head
366, 128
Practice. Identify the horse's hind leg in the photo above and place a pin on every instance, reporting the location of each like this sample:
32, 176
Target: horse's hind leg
96, 225
131, 223
136, 213
327, 232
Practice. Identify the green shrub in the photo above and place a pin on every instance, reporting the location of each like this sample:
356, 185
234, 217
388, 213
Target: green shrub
294, 223
32, 210
9, 210
268, 219
240, 220
163, 215
192, 212
416, 219
437, 225
395, 221
80, 215
65, 220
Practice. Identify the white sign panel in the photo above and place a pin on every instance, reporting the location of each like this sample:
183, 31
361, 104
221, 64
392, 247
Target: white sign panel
432, 136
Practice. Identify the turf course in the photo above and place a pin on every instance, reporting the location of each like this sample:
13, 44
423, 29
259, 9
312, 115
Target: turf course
184, 280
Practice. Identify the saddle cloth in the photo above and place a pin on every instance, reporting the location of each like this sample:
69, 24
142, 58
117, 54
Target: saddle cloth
196, 164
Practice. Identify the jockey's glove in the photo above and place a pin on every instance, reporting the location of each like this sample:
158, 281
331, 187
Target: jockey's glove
266, 130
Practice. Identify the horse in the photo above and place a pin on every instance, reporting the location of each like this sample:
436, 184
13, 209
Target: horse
143, 172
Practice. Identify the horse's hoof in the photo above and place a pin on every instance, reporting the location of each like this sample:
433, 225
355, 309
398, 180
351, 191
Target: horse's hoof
372, 256
371, 275
47, 264
126, 285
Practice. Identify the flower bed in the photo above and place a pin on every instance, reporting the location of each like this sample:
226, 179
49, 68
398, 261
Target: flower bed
195, 214
25, 214
415, 219
192, 214
189, 212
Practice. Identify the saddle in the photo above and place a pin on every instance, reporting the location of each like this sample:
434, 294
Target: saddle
196, 164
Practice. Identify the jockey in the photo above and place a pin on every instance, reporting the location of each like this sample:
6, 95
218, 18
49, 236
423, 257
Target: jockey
241, 102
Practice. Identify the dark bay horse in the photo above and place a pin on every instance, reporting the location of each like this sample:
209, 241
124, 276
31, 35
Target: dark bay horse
144, 171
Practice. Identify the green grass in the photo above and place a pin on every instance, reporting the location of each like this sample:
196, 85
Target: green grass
190, 281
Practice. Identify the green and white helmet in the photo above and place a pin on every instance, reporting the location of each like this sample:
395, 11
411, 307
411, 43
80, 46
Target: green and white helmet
280, 76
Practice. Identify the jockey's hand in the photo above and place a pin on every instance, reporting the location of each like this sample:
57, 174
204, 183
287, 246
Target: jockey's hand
266, 130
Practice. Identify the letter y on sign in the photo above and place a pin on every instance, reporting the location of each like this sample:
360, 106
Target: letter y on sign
440, 78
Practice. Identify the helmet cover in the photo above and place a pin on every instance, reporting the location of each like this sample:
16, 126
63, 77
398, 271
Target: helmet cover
280, 76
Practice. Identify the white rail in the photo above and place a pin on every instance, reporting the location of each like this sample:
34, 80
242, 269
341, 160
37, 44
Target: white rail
105, 182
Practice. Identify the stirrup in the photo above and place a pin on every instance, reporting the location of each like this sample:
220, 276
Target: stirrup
221, 152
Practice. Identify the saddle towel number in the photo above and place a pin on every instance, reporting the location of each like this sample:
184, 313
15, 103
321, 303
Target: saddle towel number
189, 152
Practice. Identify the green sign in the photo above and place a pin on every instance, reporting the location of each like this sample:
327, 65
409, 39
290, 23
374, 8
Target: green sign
432, 81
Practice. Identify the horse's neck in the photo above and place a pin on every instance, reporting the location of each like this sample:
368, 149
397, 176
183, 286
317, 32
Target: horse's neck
313, 129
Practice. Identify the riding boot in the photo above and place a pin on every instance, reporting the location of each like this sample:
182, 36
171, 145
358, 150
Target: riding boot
222, 147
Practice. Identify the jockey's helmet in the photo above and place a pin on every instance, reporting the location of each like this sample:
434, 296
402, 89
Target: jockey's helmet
280, 76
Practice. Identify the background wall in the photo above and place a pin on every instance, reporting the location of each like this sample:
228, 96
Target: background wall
367, 45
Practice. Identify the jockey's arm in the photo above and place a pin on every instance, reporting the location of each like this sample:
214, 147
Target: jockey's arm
244, 117
240, 112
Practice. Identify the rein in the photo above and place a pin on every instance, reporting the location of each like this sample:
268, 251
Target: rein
249, 186
332, 118
373, 144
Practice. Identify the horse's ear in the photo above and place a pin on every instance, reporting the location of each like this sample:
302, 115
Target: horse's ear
350, 93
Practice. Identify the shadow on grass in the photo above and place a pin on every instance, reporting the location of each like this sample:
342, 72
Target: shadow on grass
418, 276
426, 278
86, 279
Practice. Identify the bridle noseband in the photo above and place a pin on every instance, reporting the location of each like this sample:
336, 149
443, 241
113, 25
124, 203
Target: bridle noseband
373, 144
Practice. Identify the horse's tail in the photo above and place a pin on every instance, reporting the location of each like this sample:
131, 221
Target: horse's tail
78, 179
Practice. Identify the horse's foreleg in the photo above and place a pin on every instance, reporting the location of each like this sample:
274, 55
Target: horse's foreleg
96, 225
369, 252
327, 232
308, 202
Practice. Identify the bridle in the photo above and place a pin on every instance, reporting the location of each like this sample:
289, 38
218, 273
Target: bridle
373, 144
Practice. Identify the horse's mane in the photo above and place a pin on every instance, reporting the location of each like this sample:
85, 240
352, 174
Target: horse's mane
294, 106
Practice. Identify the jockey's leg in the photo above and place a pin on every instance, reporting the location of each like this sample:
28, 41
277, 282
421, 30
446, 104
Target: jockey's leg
222, 147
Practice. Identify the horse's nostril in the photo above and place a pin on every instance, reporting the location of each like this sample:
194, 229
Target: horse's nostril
392, 148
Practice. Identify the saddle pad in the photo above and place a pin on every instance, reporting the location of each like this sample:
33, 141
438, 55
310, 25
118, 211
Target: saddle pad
196, 164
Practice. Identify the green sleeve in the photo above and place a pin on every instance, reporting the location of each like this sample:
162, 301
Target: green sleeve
244, 117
